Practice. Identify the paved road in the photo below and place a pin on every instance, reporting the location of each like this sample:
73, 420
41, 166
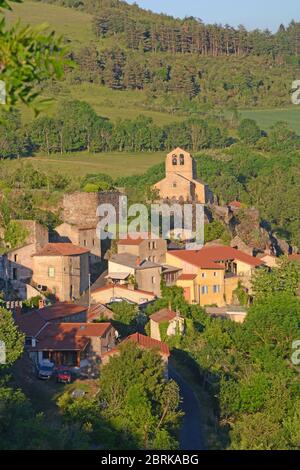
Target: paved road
191, 434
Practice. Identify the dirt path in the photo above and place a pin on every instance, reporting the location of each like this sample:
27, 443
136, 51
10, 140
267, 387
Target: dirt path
41, 393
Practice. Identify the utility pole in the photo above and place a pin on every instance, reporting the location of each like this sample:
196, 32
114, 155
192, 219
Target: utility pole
89, 289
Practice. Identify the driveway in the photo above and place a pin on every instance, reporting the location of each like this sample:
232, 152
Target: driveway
191, 434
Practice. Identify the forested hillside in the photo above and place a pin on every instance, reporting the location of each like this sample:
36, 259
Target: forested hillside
177, 60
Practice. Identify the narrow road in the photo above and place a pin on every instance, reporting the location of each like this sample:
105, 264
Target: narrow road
191, 435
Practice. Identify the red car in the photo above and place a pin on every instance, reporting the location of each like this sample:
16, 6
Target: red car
63, 375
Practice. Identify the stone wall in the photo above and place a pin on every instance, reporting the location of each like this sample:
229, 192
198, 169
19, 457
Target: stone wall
80, 208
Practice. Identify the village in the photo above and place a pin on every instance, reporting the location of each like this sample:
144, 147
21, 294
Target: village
76, 279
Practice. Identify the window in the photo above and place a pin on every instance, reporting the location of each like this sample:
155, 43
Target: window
215, 274
15, 274
204, 290
181, 159
174, 160
216, 289
28, 341
15, 258
93, 242
51, 271
174, 185
84, 242
203, 275
153, 280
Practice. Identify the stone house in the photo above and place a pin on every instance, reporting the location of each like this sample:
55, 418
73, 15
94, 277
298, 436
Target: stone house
32, 322
83, 236
173, 321
145, 249
211, 275
270, 260
16, 265
122, 268
80, 345
181, 182
62, 269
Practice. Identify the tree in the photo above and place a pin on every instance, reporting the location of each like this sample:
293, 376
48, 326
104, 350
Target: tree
285, 278
249, 132
138, 399
11, 336
15, 234
281, 137
13, 139
45, 134
27, 56
274, 321
125, 317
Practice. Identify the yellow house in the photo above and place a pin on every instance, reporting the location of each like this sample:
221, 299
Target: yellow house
211, 275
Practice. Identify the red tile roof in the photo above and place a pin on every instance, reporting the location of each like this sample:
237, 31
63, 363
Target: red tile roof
69, 336
29, 323
187, 277
294, 257
224, 253
60, 310
144, 342
163, 315
194, 258
130, 241
212, 257
149, 343
98, 311
61, 249
236, 204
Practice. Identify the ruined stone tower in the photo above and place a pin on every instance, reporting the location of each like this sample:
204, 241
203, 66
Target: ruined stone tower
80, 208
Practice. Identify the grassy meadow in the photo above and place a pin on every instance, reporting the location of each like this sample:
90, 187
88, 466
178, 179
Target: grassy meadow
111, 104
75, 26
267, 117
78, 165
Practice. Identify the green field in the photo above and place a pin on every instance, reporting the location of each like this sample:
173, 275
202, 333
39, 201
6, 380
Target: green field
74, 25
267, 117
108, 103
114, 164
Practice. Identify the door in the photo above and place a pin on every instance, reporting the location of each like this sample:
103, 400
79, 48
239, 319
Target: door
187, 294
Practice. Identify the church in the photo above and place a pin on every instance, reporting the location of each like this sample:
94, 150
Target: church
181, 183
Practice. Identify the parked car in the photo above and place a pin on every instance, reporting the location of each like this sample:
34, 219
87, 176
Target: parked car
63, 375
45, 370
